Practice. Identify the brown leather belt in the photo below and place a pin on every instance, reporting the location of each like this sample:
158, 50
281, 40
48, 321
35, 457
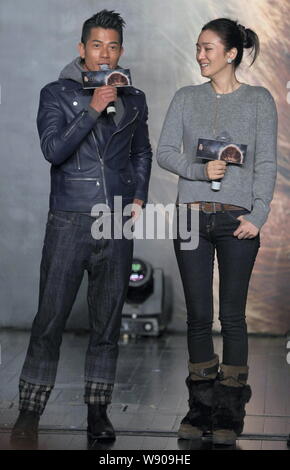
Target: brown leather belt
213, 206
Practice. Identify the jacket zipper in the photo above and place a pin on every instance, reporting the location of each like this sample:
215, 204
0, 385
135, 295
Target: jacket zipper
81, 179
75, 124
120, 130
78, 159
102, 168
84, 179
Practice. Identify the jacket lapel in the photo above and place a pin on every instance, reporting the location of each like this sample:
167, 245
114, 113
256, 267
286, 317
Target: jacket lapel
130, 112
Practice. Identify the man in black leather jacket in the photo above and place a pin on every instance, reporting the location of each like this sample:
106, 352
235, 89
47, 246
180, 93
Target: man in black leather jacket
94, 158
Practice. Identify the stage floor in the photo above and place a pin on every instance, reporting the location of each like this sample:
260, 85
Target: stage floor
149, 398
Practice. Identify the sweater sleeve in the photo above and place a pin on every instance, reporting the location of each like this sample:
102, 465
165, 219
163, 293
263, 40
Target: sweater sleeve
265, 164
169, 155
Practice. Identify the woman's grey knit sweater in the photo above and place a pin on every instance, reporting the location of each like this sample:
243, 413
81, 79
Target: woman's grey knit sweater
248, 115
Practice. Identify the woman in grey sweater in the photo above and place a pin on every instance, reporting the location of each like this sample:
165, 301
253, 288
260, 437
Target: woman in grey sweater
230, 112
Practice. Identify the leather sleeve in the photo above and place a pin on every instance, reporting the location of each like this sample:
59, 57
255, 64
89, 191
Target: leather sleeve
58, 139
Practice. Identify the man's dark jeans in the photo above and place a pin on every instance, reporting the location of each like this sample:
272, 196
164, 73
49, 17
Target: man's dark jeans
236, 259
69, 249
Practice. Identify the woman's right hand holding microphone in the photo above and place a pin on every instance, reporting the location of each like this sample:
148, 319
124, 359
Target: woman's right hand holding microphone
216, 169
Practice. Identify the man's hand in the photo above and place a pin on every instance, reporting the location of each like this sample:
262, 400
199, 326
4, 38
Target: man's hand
102, 96
216, 169
136, 208
246, 229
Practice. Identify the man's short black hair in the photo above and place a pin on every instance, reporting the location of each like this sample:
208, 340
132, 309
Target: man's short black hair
103, 19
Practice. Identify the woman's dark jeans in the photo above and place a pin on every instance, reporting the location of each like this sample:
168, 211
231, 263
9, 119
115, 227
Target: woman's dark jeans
68, 250
236, 259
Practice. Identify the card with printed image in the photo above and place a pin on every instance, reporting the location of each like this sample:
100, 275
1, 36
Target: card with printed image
115, 77
230, 152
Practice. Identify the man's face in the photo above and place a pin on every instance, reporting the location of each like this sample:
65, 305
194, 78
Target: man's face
211, 55
102, 47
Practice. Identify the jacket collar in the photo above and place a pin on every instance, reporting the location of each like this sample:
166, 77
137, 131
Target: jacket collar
127, 95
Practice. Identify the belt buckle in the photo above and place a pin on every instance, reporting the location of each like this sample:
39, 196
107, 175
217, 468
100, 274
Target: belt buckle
210, 211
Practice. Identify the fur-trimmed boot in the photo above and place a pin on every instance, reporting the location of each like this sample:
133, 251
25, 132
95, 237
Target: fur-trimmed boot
230, 397
200, 384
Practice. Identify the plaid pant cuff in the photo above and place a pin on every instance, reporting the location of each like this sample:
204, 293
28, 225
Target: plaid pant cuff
33, 397
98, 393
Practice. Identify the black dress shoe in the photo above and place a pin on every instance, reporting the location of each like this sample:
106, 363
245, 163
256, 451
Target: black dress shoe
99, 425
26, 428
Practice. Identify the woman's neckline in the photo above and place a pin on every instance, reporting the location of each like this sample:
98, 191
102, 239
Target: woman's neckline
219, 95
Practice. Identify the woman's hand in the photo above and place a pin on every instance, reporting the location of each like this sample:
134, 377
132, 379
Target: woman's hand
216, 169
246, 229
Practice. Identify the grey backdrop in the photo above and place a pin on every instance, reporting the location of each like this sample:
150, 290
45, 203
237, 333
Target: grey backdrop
39, 37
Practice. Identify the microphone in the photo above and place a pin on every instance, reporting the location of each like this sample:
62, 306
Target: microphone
111, 106
216, 184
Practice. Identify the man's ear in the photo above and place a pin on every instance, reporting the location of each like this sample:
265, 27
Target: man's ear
121, 51
81, 48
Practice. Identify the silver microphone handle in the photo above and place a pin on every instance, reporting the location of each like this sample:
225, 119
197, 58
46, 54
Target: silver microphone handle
216, 185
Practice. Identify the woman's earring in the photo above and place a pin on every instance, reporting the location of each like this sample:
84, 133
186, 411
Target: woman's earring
229, 61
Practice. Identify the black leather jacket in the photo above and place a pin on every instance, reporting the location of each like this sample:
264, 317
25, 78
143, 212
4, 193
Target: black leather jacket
81, 174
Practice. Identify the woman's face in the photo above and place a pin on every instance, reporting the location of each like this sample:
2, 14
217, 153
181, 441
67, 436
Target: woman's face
211, 54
